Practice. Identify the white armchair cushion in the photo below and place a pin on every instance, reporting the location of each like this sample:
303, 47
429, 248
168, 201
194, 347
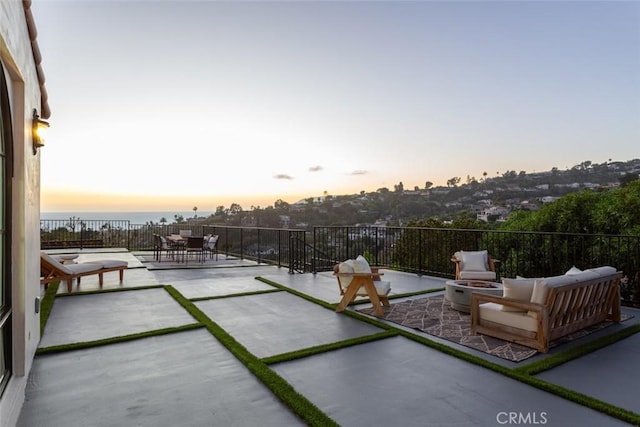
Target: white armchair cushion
382, 288
518, 289
478, 275
474, 260
345, 267
360, 265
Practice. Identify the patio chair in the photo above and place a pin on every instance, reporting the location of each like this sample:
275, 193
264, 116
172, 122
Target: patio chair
356, 278
195, 245
474, 265
161, 245
211, 245
52, 270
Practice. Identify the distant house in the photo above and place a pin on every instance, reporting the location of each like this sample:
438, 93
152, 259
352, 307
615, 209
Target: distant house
23, 102
548, 199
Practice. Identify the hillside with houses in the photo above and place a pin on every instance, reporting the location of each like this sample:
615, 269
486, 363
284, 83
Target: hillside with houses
488, 199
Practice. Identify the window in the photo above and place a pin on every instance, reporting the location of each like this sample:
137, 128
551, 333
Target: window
6, 353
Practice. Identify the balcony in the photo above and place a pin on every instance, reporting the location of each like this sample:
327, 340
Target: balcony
241, 342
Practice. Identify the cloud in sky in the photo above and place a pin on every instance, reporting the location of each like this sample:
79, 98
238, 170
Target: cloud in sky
283, 176
359, 172
316, 168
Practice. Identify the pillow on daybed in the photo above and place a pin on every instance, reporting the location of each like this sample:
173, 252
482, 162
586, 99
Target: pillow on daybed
517, 289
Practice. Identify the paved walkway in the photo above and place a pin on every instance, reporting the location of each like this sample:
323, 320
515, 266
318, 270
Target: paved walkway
189, 378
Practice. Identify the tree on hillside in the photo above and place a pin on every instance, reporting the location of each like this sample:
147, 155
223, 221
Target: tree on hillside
453, 182
615, 211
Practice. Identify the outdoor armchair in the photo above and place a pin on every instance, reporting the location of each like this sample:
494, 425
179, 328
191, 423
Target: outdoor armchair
357, 278
474, 265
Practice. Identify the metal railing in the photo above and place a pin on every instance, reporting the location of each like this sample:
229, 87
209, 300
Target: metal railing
412, 249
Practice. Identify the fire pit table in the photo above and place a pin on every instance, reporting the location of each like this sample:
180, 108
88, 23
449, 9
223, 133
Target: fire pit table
458, 292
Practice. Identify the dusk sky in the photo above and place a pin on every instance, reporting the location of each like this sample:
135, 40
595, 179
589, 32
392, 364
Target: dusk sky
162, 105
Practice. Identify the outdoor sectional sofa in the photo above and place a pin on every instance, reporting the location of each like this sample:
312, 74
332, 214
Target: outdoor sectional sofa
534, 312
52, 270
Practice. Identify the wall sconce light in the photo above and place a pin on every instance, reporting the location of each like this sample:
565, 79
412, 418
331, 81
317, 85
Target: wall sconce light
38, 133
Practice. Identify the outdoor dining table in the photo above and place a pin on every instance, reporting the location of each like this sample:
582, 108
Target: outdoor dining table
179, 244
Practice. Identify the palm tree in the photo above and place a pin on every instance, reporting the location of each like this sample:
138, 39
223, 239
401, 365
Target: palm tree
195, 209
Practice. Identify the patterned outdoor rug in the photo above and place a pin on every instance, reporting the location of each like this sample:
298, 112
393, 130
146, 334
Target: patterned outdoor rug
434, 316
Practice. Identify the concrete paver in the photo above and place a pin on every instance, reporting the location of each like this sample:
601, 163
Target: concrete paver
90, 317
275, 323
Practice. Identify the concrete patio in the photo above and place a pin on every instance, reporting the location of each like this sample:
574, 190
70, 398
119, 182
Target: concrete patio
191, 378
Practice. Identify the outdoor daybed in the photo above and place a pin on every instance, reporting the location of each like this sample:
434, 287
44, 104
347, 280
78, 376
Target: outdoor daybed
52, 270
534, 312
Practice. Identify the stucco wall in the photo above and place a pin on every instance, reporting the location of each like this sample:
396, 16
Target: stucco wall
20, 70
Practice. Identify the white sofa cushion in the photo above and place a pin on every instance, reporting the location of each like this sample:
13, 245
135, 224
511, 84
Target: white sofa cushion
516, 319
518, 289
541, 287
603, 271
573, 270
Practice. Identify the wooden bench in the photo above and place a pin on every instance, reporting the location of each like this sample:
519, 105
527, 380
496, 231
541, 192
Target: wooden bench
559, 306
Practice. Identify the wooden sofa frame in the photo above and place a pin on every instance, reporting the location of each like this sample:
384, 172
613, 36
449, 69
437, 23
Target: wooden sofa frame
568, 308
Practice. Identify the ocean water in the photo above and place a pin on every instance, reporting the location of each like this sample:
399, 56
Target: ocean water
134, 217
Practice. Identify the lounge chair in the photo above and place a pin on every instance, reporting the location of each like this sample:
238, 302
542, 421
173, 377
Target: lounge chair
474, 265
52, 270
357, 278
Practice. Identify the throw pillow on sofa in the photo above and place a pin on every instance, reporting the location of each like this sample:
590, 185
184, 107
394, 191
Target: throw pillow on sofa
517, 289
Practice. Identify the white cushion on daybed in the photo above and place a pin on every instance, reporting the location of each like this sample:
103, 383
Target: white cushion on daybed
82, 267
108, 263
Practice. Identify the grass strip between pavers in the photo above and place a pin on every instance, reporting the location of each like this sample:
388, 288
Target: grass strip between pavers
239, 294
105, 291
297, 402
310, 351
518, 375
47, 304
123, 338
